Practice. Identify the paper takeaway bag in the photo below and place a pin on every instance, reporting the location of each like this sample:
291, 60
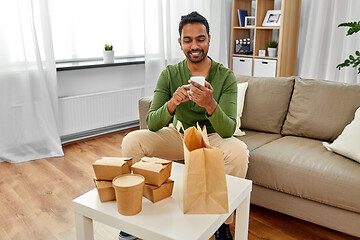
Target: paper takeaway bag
205, 190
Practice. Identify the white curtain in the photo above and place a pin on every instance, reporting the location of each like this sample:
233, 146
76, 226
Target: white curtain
322, 45
161, 21
28, 85
81, 28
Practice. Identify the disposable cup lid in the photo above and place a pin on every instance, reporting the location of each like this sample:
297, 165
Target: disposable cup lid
128, 180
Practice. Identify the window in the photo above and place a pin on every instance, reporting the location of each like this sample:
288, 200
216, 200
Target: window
81, 28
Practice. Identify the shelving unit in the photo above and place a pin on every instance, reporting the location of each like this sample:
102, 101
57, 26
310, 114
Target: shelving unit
287, 33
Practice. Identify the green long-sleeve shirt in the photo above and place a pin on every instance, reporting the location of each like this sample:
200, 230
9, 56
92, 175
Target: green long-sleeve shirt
222, 121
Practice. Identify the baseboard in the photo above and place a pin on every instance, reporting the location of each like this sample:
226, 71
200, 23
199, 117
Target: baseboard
99, 131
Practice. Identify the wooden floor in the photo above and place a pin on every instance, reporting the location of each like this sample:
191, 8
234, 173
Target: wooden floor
36, 198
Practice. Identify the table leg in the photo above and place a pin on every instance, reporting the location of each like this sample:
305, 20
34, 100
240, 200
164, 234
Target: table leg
242, 219
84, 227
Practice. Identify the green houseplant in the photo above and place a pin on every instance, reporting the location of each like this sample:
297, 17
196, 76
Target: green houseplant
108, 47
272, 44
353, 60
108, 53
272, 47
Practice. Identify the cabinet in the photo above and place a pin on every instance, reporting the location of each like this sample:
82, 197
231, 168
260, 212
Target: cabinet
286, 34
242, 66
264, 67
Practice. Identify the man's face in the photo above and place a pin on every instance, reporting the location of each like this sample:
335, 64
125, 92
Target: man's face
194, 42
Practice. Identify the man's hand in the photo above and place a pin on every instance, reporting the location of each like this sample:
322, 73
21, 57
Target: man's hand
180, 95
203, 96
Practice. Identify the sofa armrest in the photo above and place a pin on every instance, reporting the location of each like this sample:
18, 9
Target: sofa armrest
144, 106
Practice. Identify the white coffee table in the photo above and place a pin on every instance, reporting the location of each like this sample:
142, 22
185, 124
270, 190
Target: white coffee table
164, 219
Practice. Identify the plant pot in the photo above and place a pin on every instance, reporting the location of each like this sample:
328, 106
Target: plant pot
272, 52
108, 56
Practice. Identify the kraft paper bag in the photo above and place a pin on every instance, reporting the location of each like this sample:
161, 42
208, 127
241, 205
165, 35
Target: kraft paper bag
205, 189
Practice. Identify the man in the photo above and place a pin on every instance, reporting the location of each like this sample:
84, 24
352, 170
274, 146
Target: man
177, 97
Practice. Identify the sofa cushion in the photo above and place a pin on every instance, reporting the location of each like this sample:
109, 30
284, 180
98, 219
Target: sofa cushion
144, 106
266, 102
348, 143
254, 139
241, 88
304, 168
321, 109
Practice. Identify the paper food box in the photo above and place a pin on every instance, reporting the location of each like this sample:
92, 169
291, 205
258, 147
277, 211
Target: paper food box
155, 170
105, 190
107, 168
155, 193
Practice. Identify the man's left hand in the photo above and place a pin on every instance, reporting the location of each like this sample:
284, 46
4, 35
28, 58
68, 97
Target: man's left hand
203, 96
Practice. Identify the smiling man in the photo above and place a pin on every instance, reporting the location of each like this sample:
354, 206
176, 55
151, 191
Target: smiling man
177, 97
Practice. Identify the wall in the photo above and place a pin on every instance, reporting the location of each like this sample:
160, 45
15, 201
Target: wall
80, 117
93, 80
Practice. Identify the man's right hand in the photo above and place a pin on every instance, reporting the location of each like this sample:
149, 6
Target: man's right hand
180, 95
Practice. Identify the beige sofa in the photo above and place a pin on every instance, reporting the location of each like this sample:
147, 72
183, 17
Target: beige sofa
285, 121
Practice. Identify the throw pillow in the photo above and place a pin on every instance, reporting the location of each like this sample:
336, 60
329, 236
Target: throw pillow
348, 143
240, 105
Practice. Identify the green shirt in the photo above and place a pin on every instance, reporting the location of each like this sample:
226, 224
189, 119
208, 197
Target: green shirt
222, 121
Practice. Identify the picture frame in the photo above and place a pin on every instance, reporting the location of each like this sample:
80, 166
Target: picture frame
250, 21
272, 18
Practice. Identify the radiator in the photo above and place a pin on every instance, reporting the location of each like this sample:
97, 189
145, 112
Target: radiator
98, 110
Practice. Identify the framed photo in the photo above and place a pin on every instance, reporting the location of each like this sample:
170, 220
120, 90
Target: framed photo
250, 21
272, 18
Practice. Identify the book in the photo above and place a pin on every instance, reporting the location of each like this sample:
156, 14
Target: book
242, 14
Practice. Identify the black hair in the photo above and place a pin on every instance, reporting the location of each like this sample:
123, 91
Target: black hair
193, 17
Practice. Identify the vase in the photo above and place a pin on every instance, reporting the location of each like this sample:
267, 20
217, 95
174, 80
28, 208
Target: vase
108, 56
272, 52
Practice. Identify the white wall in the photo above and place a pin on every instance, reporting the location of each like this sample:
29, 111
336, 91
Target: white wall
81, 119
94, 80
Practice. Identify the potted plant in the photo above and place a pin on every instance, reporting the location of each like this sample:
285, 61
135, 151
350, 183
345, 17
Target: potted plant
108, 54
272, 47
353, 60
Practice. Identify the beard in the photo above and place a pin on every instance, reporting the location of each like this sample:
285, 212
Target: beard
196, 58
